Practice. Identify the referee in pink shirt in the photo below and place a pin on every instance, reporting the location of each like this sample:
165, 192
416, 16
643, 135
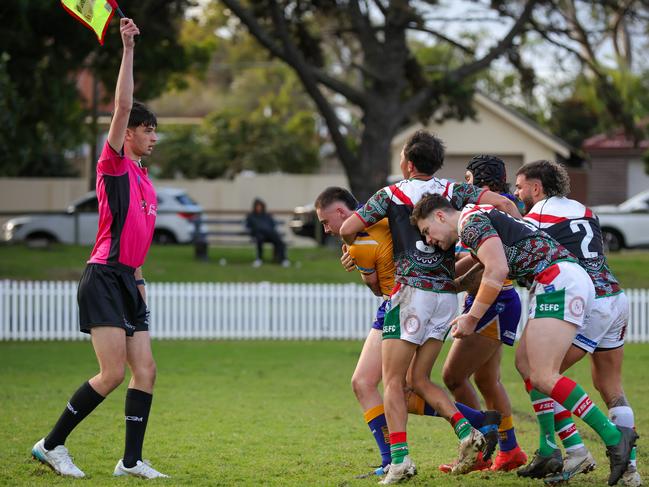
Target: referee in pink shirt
111, 295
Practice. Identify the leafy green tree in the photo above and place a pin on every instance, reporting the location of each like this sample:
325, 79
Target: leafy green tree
42, 49
360, 51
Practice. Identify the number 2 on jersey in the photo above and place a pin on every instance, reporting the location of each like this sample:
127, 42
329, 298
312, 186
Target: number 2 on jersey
574, 226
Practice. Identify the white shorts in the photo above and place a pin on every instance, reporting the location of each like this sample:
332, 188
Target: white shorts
605, 325
415, 315
563, 291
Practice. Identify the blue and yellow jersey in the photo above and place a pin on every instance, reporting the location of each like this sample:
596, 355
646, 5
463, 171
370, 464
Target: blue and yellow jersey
372, 252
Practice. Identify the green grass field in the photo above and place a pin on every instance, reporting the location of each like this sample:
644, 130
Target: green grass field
177, 264
248, 413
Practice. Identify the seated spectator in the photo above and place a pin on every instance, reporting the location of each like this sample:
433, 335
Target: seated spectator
262, 228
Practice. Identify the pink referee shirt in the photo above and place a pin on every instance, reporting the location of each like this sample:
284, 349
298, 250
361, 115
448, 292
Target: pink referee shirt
127, 211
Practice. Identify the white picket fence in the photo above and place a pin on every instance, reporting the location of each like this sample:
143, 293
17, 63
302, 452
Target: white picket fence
43, 310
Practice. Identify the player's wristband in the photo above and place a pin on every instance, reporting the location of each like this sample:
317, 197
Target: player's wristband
140, 282
487, 294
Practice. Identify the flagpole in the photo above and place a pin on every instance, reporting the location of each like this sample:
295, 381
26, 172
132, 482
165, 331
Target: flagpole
120, 13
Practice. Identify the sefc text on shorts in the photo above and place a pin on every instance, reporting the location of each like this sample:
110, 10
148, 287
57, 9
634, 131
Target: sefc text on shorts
108, 296
563, 291
415, 315
605, 324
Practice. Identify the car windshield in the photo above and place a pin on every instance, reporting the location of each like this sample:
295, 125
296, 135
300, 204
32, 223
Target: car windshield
639, 201
185, 200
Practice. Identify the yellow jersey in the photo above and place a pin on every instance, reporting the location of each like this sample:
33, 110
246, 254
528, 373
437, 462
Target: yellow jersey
372, 252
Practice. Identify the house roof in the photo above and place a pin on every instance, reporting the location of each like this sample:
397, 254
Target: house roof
516, 119
617, 140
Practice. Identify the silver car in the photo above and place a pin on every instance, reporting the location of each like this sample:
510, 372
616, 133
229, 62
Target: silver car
177, 213
625, 225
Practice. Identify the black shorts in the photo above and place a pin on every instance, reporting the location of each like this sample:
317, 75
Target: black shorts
108, 296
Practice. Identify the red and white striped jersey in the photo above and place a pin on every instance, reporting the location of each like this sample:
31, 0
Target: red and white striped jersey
577, 228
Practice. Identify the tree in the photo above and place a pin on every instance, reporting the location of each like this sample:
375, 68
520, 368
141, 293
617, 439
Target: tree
41, 51
359, 50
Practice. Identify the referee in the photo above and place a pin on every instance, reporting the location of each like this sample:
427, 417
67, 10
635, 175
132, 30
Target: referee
111, 295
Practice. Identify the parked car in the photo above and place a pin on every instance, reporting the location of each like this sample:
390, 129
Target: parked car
625, 225
305, 223
174, 223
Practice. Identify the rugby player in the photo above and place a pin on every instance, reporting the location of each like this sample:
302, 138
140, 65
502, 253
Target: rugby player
480, 354
423, 302
111, 295
371, 255
561, 294
543, 186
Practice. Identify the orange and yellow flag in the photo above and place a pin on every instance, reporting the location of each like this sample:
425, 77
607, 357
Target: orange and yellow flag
94, 14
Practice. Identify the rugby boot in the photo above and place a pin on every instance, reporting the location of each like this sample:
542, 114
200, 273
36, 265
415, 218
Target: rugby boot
58, 459
479, 464
142, 469
576, 462
542, 466
509, 460
631, 478
490, 432
619, 454
399, 471
468, 452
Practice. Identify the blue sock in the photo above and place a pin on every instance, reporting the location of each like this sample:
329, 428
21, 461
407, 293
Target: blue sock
474, 416
375, 419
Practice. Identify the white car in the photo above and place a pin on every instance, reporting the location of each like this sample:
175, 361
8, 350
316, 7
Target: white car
625, 225
177, 213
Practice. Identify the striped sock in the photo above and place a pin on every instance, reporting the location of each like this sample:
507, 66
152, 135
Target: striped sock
398, 446
566, 429
574, 399
623, 416
461, 426
506, 434
375, 419
544, 409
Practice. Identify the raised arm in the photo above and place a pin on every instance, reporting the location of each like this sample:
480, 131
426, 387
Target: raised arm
124, 88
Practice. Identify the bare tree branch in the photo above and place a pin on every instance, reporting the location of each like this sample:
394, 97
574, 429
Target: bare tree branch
442, 37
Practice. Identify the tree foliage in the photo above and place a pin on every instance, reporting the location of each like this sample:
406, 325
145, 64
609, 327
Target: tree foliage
42, 49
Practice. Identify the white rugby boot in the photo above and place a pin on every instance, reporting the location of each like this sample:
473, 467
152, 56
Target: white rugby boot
58, 459
631, 477
399, 471
142, 469
468, 452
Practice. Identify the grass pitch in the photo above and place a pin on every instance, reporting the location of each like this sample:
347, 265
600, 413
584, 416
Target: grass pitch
250, 413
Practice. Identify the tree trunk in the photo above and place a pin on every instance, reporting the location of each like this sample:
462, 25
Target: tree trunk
374, 157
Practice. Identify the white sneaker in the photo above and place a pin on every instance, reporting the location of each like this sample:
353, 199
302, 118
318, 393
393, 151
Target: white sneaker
632, 478
142, 469
399, 471
468, 452
257, 263
286, 263
58, 459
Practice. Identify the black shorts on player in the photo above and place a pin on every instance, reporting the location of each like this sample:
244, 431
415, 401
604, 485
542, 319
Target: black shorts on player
108, 296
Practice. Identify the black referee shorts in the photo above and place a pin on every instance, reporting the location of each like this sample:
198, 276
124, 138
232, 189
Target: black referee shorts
108, 296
